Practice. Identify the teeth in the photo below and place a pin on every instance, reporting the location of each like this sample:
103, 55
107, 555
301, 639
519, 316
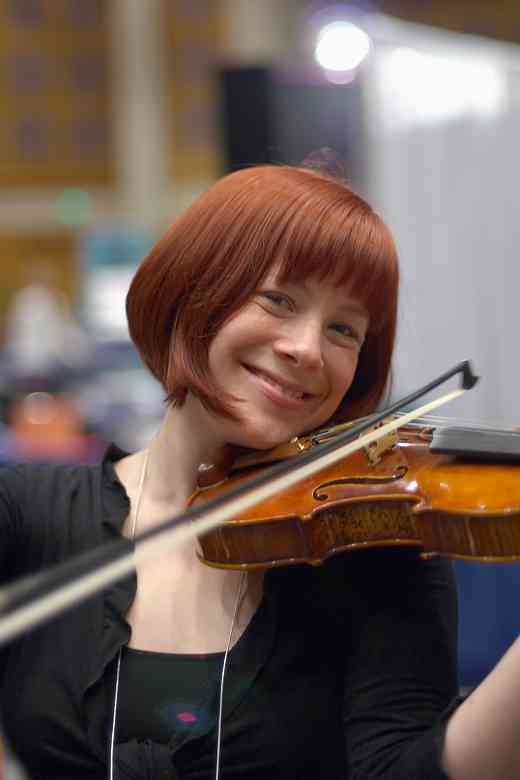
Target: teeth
296, 394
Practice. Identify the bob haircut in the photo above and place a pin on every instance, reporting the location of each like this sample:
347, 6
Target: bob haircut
217, 253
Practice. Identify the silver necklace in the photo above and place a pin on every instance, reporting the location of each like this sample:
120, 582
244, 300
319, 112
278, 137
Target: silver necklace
242, 580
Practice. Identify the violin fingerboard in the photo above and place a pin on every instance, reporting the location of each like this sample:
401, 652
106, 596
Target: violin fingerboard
477, 443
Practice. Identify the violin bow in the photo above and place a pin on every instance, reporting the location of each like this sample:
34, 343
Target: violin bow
35, 599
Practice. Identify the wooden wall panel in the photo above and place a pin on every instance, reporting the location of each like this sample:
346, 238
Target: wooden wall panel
54, 93
192, 35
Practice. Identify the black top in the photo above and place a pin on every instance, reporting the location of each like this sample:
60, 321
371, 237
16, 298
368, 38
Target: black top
346, 670
167, 696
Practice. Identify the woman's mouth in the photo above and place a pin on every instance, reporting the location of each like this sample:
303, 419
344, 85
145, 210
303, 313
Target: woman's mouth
278, 391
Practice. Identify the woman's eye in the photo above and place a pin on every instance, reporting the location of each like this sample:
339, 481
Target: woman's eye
346, 332
277, 299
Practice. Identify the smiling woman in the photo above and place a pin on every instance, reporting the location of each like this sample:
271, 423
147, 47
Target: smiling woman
267, 310
288, 357
215, 257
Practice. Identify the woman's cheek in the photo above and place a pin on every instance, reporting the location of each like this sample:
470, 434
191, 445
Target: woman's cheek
347, 376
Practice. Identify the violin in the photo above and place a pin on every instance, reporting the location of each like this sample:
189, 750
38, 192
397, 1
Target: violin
453, 492
408, 502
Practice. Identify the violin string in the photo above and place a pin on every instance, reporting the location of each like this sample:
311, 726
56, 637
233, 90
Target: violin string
459, 422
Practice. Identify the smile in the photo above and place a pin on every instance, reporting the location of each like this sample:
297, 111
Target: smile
278, 389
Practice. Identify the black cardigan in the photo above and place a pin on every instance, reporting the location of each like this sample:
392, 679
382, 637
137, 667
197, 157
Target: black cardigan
347, 670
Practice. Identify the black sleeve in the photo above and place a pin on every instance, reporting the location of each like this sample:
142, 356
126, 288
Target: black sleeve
12, 533
401, 677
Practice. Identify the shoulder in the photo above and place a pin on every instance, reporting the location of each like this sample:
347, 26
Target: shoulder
364, 568
368, 581
35, 503
28, 488
384, 576
51, 511
38, 484
31, 482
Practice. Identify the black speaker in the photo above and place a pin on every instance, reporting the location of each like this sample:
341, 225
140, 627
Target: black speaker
275, 115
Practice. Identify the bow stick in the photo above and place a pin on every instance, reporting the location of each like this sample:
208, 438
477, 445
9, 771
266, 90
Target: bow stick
37, 598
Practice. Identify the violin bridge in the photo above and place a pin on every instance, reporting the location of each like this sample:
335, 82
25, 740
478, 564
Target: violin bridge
376, 449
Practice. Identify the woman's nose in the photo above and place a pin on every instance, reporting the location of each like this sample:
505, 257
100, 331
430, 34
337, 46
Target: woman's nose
302, 346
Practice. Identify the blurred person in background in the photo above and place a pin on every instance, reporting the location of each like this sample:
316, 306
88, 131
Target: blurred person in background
266, 311
46, 352
43, 341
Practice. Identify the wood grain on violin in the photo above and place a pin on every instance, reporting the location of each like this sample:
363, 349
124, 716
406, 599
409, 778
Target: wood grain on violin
441, 504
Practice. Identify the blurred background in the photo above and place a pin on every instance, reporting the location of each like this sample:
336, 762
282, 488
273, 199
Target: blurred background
115, 114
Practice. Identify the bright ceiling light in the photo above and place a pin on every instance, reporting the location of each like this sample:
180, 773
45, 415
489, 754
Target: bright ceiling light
341, 46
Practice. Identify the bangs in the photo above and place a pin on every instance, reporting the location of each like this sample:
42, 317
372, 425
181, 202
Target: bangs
347, 244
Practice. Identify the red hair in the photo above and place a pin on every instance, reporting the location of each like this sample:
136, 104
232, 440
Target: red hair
214, 257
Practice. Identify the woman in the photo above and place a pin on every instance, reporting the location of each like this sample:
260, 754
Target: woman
266, 311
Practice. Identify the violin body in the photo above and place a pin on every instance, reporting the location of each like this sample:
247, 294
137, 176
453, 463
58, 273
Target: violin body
437, 503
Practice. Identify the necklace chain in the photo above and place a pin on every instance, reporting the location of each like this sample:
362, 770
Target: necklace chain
135, 522
142, 478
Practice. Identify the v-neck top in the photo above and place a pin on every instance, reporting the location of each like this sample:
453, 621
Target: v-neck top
347, 670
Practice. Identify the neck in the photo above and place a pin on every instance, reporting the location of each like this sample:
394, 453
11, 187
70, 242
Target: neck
188, 437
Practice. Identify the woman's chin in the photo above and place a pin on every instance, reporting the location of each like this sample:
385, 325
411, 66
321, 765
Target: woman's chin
263, 439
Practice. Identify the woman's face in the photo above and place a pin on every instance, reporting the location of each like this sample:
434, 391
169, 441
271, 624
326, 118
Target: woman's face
288, 356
